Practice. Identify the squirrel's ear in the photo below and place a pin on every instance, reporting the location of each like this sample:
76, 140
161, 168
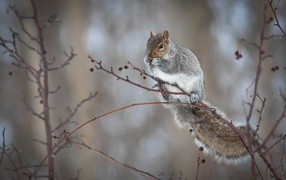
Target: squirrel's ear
166, 34
152, 33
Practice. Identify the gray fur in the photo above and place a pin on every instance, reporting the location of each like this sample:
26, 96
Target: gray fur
178, 65
179, 60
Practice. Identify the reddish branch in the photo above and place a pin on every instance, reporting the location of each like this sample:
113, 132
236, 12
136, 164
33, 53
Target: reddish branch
146, 174
126, 78
8, 153
91, 120
38, 75
274, 10
45, 92
261, 57
73, 112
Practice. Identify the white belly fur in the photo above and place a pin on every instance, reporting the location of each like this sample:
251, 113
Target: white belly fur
182, 80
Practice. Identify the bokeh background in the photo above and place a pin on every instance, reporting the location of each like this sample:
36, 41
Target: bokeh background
145, 137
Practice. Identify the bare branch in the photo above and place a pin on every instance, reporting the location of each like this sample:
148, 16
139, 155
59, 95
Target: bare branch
72, 113
66, 62
38, 115
53, 18
55, 91
269, 166
148, 175
260, 112
3, 145
274, 10
8, 155
282, 116
23, 28
126, 79
23, 42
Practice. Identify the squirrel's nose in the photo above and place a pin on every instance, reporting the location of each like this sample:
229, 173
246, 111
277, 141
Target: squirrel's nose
155, 54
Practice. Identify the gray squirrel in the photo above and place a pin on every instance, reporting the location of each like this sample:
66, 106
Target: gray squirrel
178, 70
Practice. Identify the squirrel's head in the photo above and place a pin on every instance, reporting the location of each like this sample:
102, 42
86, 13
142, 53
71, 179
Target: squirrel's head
157, 45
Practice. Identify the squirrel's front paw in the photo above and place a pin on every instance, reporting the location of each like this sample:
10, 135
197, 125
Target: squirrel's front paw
156, 61
194, 97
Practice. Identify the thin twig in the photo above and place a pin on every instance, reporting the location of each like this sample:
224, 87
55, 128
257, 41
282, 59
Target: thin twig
260, 112
91, 96
270, 2
146, 174
3, 145
66, 62
198, 168
38, 115
282, 116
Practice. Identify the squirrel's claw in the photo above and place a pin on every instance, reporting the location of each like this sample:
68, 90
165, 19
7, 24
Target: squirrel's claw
194, 97
156, 85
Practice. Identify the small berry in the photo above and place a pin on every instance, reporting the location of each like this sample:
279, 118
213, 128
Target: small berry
120, 69
91, 69
203, 161
201, 148
240, 55
236, 53
144, 77
41, 101
273, 69
125, 67
92, 60
10, 73
277, 67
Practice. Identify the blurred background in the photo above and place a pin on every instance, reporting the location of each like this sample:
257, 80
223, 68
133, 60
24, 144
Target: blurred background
145, 137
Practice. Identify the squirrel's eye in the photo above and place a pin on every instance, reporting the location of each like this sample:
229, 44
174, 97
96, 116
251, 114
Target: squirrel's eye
160, 46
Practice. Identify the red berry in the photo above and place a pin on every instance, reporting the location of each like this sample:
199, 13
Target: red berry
203, 161
91, 69
125, 67
120, 69
144, 77
10, 73
236, 53
92, 60
41, 101
277, 67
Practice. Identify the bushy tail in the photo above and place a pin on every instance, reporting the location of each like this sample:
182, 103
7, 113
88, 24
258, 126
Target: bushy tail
216, 137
